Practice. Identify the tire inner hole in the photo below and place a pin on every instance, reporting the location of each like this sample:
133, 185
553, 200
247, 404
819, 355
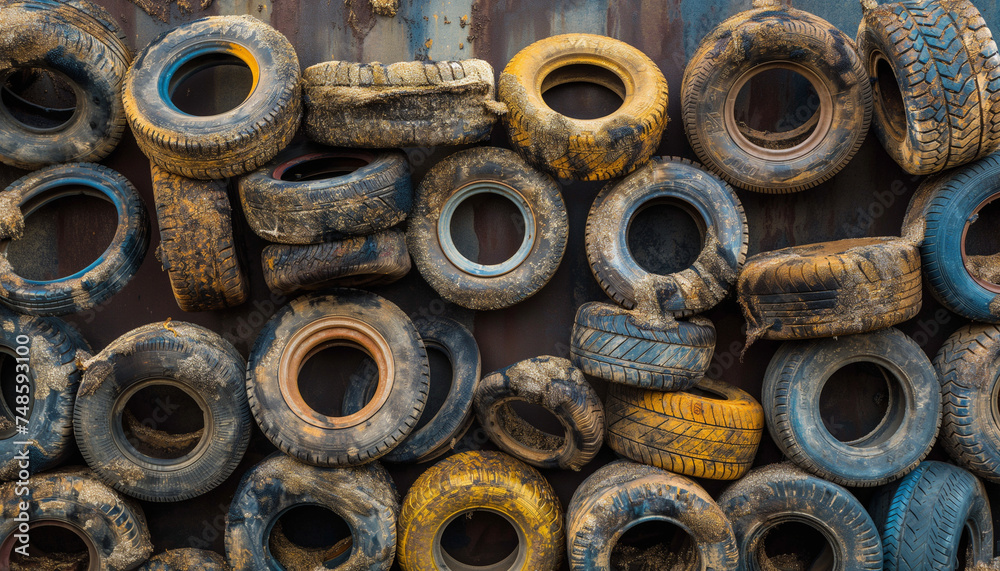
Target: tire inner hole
163, 422
441, 380
532, 425
338, 380
705, 394
982, 244
665, 237
794, 546
888, 99
310, 537
777, 109
8, 394
657, 544
964, 552
478, 538
210, 84
487, 228
861, 404
322, 168
52, 547
40, 99
583, 91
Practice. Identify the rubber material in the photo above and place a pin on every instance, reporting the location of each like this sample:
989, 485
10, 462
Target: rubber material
186, 559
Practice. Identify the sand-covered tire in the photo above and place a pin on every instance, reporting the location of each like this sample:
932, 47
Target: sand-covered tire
830, 288
709, 431
112, 527
186, 559
138, 456
502, 174
108, 274
78, 43
226, 144
623, 494
781, 494
591, 149
481, 481
796, 379
935, 72
359, 261
47, 352
715, 209
197, 246
555, 385
312, 194
363, 496
772, 37
356, 319
926, 517
404, 104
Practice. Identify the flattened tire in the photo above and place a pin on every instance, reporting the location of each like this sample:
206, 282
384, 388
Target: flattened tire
186, 559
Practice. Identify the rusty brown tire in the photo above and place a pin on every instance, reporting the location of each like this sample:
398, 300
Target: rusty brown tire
186, 559
350, 318
766, 38
591, 149
197, 246
711, 430
830, 288
225, 144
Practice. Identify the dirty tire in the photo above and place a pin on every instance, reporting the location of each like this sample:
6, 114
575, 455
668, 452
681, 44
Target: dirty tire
940, 108
311, 194
796, 378
831, 288
363, 496
186, 559
154, 465
595, 149
197, 247
923, 517
481, 481
404, 104
81, 43
51, 367
781, 493
361, 261
623, 494
112, 526
227, 144
714, 207
500, 172
356, 319
763, 39
557, 386
103, 278
704, 436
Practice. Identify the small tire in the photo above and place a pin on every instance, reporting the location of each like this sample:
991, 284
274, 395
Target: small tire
186, 559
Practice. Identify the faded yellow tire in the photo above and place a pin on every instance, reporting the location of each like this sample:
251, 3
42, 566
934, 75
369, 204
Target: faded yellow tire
480, 481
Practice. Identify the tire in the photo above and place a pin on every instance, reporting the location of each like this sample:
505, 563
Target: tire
227, 144
939, 109
594, 149
363, 496
480, 481
714, 207
197, 246
713, 435
622, 494
100, 280
112, 527
186, 559
362, 261
500, 172
923, 517
405, 104
53, 373
312, 194
767, 38
555, 385
830, 288
78, 43
135, 456
781, 494
357, 319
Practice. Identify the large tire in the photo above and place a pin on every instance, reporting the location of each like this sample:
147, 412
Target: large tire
186, 559
594, 149
227, 144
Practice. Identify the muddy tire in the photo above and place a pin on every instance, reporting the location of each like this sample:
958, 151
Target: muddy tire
186, 559
481, 481
714, 207
363, 496
312, 194
498, 172
935, 71
764, 39
623, 494
133, 455
704, 436
354, 318
781, 493
559, 387
227, 144
101, 279
596, 149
